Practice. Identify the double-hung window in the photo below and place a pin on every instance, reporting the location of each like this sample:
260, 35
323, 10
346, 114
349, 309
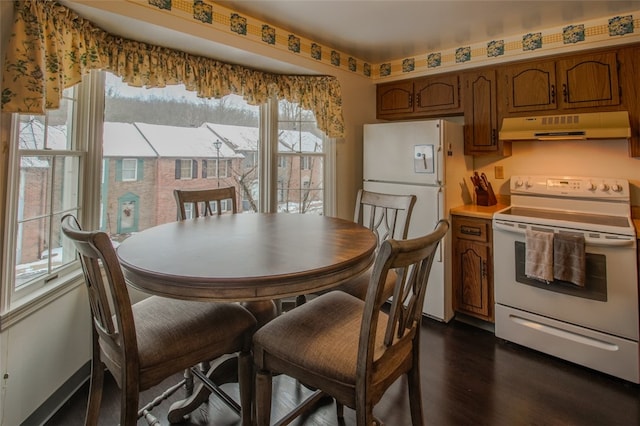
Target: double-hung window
185, 169
129, 169
50, 165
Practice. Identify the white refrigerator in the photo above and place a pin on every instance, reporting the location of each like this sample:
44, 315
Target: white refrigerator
424, 158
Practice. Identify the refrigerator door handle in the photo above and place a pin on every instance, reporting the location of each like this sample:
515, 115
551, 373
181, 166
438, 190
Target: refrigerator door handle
440, 215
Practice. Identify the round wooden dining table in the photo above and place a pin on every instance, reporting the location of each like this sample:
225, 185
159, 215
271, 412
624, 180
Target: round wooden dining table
248, 258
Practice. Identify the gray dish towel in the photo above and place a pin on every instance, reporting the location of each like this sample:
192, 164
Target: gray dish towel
569, 258
539, 255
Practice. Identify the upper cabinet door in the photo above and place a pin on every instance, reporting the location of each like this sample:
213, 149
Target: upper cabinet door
530, 87
480, 112
394, 98
438, 94
588, 81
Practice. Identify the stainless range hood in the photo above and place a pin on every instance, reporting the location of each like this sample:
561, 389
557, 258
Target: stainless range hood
599, 125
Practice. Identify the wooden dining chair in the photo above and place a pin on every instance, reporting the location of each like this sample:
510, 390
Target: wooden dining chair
350, 349
388, 216
143, 344
202, 201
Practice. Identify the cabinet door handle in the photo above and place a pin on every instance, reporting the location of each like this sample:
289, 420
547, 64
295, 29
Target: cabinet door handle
483, 268
410, 101
553, 93
565, 92
418, 100
493, 137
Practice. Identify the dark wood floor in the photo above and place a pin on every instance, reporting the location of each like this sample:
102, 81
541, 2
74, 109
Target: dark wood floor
469, 378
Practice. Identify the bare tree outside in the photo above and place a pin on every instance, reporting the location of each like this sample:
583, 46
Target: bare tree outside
301, 161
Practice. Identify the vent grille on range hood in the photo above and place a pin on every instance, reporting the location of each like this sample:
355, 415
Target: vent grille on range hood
599, 125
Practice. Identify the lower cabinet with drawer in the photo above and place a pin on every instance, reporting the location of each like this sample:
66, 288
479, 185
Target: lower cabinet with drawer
472, 267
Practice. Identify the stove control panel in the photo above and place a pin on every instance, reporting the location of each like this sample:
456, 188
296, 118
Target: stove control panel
571, 186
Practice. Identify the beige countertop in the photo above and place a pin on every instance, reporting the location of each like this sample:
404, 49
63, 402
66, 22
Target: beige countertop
474, 210
486, 212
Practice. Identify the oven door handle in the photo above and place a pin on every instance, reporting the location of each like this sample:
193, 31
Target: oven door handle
603, 242
615, 242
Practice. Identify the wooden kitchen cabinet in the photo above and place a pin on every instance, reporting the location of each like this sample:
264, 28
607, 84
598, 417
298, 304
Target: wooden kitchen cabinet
472, 267
419, 98
530, 87
588, 81
481, 114
438, 95
581, 81
394, 98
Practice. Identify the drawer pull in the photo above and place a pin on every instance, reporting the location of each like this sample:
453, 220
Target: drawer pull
469, 230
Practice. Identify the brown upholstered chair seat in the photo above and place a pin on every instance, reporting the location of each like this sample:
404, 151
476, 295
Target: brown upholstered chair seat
160, 320
328, 329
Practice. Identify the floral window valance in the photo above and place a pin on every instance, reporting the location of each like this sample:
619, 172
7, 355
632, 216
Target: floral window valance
51, 48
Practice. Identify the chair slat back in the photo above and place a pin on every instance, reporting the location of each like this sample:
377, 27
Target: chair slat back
106, 289
412, 260
387, 215
202, 199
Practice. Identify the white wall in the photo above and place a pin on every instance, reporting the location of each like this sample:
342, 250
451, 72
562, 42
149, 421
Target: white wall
578, 158
41, 352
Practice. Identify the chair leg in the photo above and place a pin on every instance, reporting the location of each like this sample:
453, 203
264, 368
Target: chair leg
96, 382
129, 399
364, 413
95, 392
245, 384
415, 396
188, 383
263, 397
339, 410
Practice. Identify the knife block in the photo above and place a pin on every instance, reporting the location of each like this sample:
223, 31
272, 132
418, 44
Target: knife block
486, 198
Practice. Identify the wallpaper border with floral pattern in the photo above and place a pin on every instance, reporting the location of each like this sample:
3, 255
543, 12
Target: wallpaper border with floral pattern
580, 35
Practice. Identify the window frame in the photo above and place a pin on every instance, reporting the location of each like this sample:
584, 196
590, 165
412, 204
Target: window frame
86, 125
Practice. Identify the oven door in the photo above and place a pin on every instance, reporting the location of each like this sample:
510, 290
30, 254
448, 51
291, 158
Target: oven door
609, 300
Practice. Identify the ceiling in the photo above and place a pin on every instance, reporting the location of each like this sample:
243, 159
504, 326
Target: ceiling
372, 30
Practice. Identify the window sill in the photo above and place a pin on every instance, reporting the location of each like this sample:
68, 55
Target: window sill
37, 300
